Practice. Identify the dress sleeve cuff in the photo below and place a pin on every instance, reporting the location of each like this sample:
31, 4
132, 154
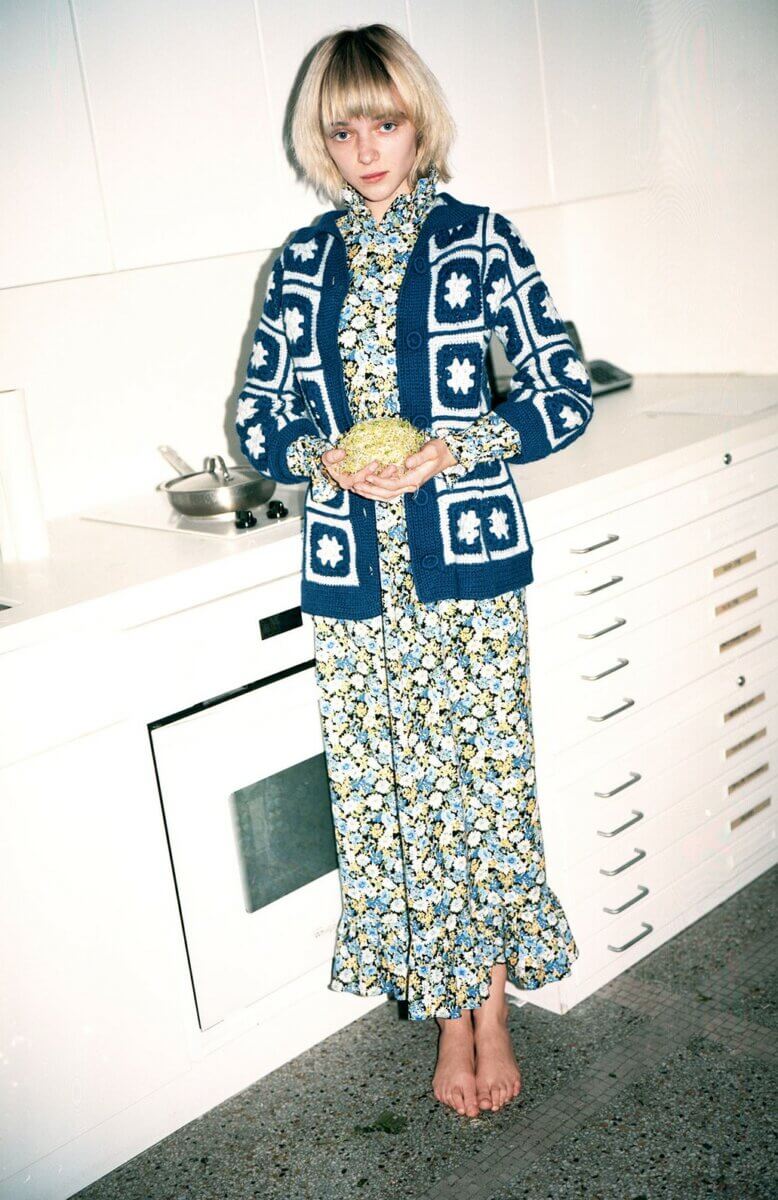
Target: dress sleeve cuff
487, 438
303, 456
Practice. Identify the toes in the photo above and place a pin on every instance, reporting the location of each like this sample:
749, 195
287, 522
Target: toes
471, 1103
484, 1099
458, 1100
495, 1098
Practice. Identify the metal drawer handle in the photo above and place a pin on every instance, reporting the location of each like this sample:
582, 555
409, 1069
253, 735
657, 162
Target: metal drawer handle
747, 741
629, 863
746, 816
632, 821
735, 562
601, 586
608, 628
641, 892
646, 929
612, 537
739, 637
633, 778
617, 666
749, 778
613, 712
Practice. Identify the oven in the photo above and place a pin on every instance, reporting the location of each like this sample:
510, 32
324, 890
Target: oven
247, 812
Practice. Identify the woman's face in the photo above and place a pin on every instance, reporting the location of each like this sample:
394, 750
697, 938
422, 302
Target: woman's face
379, 146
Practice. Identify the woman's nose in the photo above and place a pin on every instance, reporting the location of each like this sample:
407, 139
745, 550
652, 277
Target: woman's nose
366, 153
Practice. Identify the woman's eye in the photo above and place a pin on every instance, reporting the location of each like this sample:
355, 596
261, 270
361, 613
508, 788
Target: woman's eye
394, 123
336, 136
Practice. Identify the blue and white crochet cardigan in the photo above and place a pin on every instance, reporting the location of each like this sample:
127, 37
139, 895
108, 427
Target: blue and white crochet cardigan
470, 274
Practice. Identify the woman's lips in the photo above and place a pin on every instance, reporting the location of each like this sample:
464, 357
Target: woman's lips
374, 176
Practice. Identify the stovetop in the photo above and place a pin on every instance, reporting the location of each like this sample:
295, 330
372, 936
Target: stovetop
155, 511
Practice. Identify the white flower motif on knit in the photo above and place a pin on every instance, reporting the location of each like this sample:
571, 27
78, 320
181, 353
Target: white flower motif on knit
329, 550
460, 378
570, 418
502, 333
498, 523
457, 290
255, 442
247, 406
574, 369
496, 295
549, 309
304, 251
293, 323
468, 529
258, 355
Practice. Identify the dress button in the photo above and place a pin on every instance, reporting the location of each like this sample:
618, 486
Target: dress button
429, 560
413, 340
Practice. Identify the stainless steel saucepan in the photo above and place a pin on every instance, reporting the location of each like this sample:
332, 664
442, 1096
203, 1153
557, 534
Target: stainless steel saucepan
215, 490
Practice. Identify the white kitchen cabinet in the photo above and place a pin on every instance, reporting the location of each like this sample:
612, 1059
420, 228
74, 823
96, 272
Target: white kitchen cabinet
47, 151
129, 721
654, 659
601, 96
500, 154
94, 992
181, 127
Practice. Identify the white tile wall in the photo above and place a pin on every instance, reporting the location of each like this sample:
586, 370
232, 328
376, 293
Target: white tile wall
144, 188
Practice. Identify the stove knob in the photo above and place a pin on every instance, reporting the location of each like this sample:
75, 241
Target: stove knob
244, 518
277, 508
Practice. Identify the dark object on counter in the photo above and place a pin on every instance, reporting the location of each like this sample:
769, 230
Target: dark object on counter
603, 375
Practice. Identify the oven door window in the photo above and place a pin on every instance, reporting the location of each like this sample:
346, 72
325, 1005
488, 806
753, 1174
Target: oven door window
284, 831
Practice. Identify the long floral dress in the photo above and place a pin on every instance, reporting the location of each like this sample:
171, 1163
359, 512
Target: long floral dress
426, 717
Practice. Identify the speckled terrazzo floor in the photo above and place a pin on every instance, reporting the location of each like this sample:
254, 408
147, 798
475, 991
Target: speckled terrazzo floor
658, 1087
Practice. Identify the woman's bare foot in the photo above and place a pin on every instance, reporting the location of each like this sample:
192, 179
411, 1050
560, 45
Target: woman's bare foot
454, 1080
497, 1076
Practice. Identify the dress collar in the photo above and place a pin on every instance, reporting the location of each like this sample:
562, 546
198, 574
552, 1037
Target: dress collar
407, 208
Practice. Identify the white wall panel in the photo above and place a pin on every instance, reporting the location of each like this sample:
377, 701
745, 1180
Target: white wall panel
286, 45
51, 219
486, 58
601, 96
181, 126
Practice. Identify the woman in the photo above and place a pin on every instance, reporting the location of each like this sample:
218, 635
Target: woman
415, 576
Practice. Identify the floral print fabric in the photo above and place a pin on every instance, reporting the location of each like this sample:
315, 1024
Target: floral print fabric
426, 719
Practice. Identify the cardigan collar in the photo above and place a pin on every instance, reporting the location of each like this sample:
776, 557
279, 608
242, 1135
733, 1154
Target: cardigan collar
444, 214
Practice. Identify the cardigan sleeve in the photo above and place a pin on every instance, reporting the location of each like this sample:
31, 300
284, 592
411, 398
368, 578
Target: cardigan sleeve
549, 402
303, 457
271, 412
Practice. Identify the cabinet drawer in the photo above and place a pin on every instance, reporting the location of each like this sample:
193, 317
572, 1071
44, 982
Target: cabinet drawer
202, 652
723, 694
597, 540
583, 820
588, 680
665, 573
563, 720
682, 877
640, 849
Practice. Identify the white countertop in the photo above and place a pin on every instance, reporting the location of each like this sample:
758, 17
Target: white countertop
103, 576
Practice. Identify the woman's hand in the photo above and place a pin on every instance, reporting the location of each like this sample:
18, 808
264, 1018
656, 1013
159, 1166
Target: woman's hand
347, 481
385, 482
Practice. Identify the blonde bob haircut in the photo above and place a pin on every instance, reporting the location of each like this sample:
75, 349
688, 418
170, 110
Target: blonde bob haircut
350, 75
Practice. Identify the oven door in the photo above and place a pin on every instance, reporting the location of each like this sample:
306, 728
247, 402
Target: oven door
246, 802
